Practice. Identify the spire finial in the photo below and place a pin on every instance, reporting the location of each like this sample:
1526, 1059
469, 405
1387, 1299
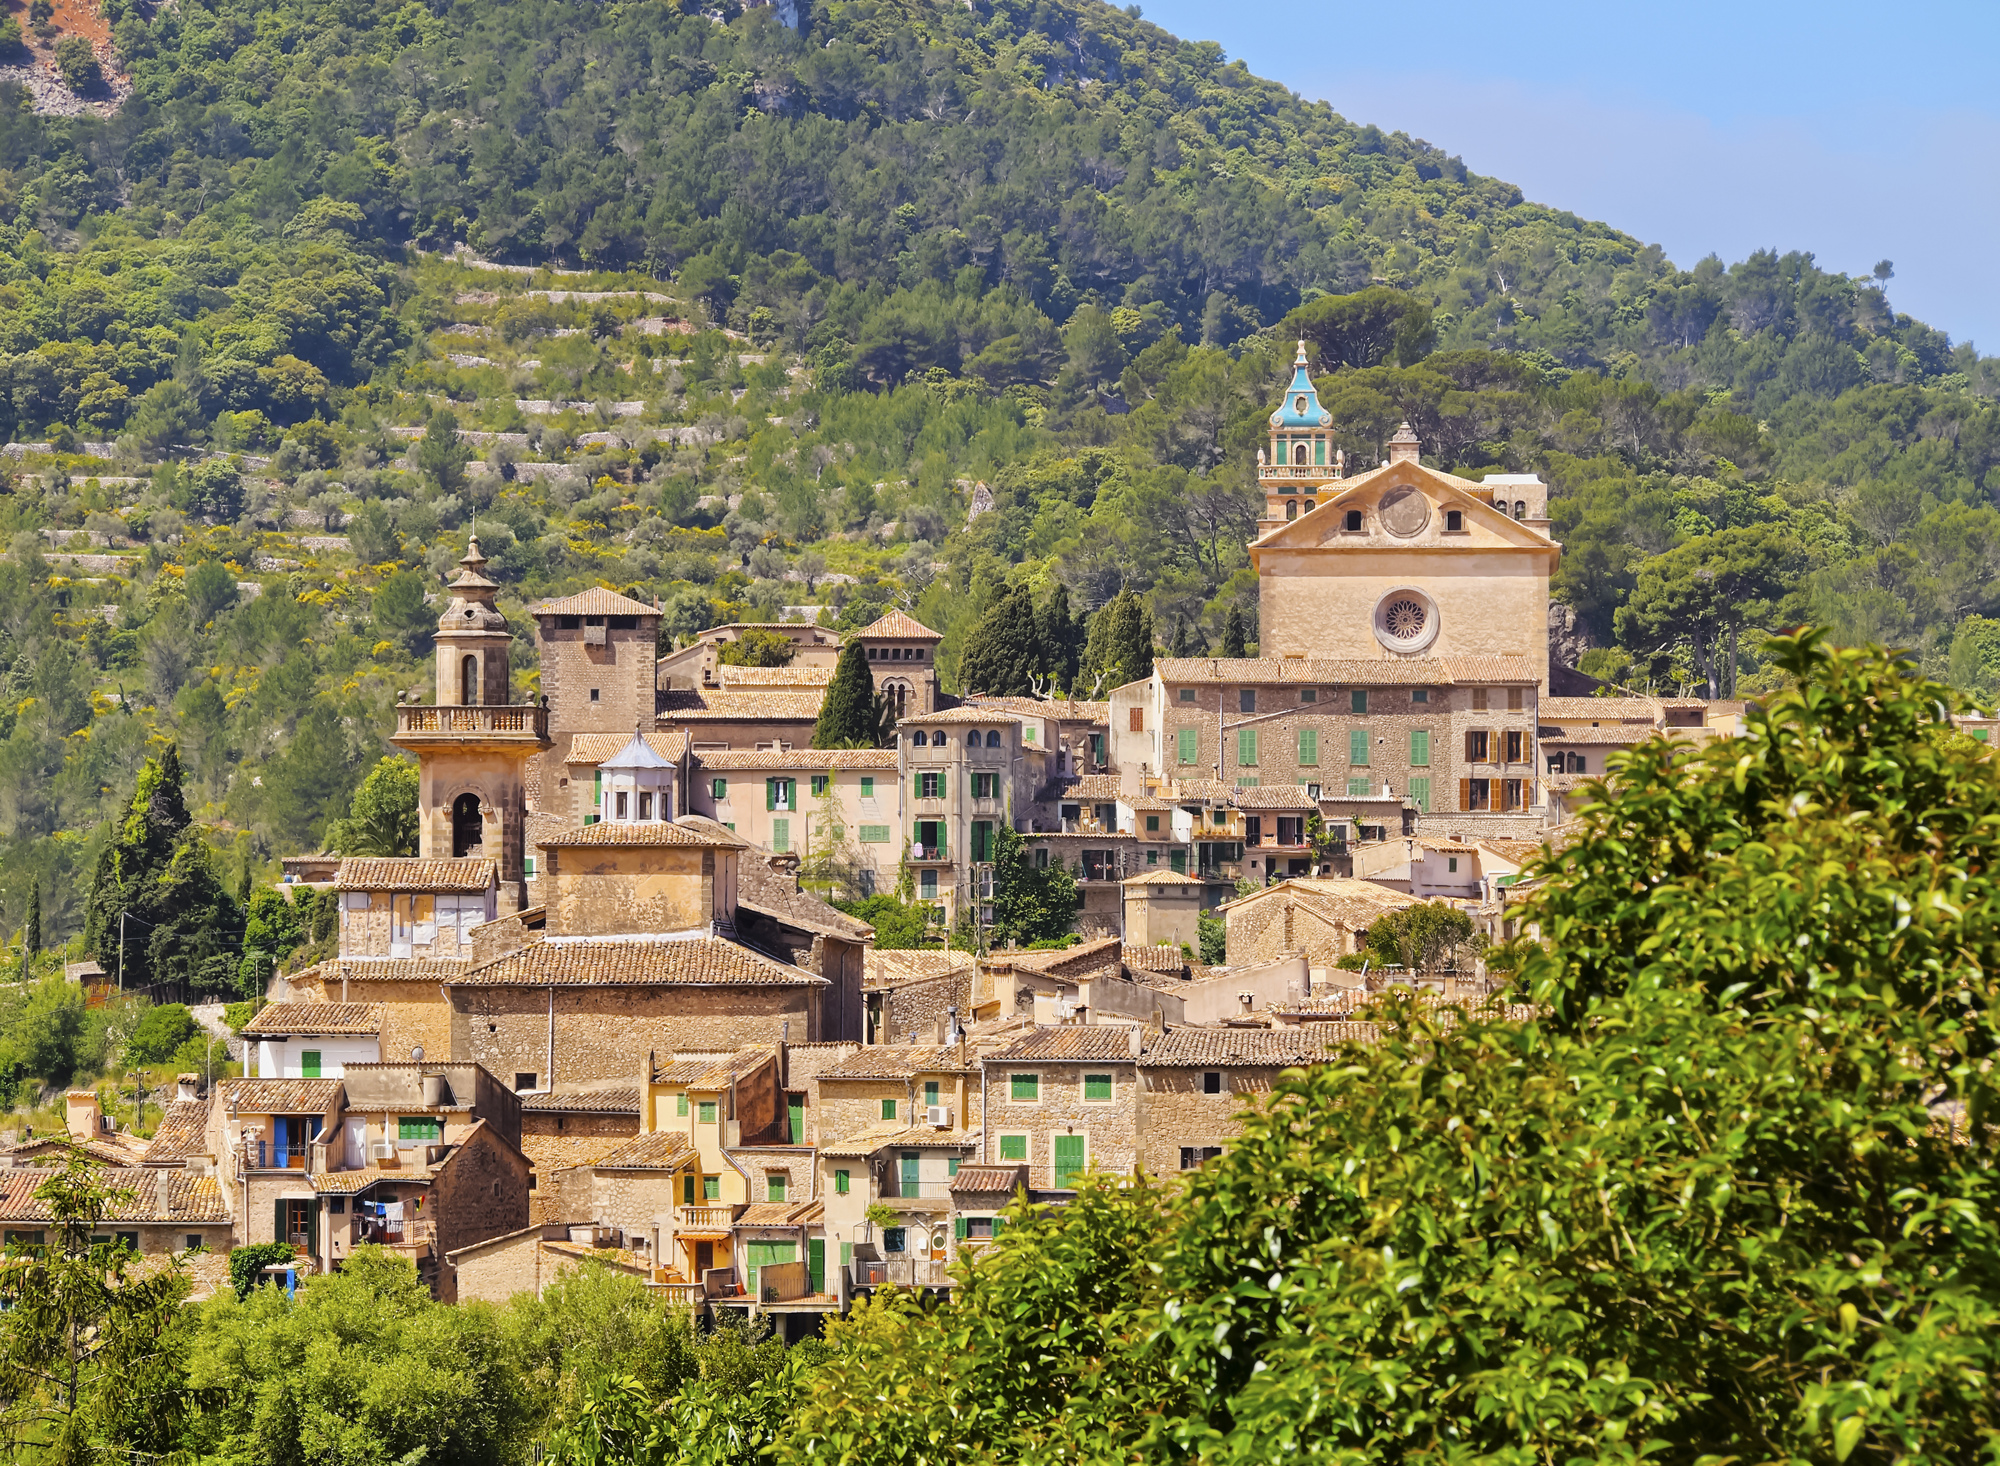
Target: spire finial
1300, 359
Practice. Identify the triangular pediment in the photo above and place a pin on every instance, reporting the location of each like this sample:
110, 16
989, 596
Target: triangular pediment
1403, 505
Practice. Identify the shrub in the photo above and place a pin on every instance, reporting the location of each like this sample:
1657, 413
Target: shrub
77, 62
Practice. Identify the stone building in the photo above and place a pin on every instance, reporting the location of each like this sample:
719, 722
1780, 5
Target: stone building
1320, 918
1196, 1083
311, 1040
597, 658
1062, 1101
415, 908
1163, 908
699, 664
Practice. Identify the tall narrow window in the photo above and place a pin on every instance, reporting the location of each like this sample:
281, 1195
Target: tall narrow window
468, 681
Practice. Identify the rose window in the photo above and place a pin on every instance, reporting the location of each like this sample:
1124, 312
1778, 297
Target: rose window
1404, 619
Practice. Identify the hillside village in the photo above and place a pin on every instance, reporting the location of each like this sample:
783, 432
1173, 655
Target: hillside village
598, 1014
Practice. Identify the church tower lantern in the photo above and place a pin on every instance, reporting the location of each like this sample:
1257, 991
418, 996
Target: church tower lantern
1302, 458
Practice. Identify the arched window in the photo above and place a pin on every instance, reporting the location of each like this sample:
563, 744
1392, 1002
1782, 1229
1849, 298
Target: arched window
1291, 508
468, 830
468, 681
919, 739
993, 739
1354, 519
972, 740
1309, 506
902, 692
1299, 455
1520, 508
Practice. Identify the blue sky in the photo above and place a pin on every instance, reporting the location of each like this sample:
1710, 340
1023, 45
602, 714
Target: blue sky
1856, 132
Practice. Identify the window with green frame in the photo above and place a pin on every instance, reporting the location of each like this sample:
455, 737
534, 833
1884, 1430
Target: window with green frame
705, 1112
419, 1127
888, 1109
1308, 746
1420, 795
689, 1183
819, 786
1246, 745
774, 1185
1357, 746
309, 1063
1358, 700
781, 835
1069, 1160
681, 1105
1013, 1147
718, 788
874, 834
1024, 1089
1359, 788
1185, 745
1096, 1088
711, 1188
842, 1182
1420, 748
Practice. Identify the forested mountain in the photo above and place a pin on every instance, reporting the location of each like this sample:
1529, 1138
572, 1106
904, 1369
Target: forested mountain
838, 264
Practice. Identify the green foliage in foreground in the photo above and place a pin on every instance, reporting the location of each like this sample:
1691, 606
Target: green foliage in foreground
1731, 1198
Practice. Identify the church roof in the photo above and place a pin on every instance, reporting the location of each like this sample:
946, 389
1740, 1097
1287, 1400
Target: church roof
899, 626
1301, 408
597, 601
637, 753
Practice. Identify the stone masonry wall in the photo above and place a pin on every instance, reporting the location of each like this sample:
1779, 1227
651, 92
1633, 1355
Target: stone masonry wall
621, 672
552, 1142
609, 891
1178, 1114
413, 1013
499, 1272
848, 1106
917, 1012
483, 1193
1111, 1130
1276, 927
603, 1033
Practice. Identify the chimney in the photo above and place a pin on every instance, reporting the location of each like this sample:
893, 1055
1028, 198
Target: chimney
1404, 447
187, 1087
1248, 1000
1135, 1040
83, 1114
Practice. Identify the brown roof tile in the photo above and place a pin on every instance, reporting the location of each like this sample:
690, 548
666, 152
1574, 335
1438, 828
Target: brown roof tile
1617, 735
1274, 796
895, 966
371, 874
595, 748
713, 705
314, 1019
731, 676
663, 1150
279, 1096
183, 1133
728, 760
584, 1102
1599, 709
1164, 876
901, 1061
167, 1196
597, 601
871, 1138
897, 626
610, 832
1155, 959
780, 1214
381, 969
776, 894
988, 1181
1092, 1043
1089, 788
1064, 710
1399, 672
700, 961
1203, 1048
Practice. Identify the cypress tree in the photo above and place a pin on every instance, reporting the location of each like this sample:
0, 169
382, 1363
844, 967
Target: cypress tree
1004, 651
852, 715
1232, 634
1062, 639
1120, 646
31, 930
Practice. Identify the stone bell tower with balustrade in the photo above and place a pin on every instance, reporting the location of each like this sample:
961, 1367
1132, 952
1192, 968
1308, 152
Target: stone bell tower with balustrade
1302, 459
473, 745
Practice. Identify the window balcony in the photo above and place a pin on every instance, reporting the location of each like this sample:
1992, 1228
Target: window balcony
929, 855
493, 720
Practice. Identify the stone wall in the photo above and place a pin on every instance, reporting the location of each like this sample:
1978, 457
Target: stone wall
848, 1106
1277, 926
612, 890
413, 1013
793, 1162
552, 1142
482, 1193
1111, 1130
917, 1012
497, 777
503, 1268
1178, 1114
621, 672
603, 1032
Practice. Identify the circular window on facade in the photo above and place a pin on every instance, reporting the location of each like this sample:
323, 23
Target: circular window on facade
1404, 512
1406, 620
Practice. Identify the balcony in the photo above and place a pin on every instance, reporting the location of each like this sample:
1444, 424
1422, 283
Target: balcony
929, 855
898, 1272
716, 1217
515, 721
1305, 471
679, 1295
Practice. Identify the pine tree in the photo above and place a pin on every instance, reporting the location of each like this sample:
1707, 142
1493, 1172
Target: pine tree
1004, 652
1232, 634
852, 715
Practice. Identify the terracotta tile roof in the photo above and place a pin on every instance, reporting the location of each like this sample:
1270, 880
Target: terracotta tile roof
891, 968
901, 1061
1397, 672
108, 1149
719, 833
347, 1183
1341, 1030
584, 1102
1155, 959
780, 1214
723, 761
731, 676
776, 894
1089, 788
1164, 876
1620, 735
663, 1150
278, 1096
986, 717
381, 969
1210, 1048
155, 1196
899, 627
1206, 791
1599, 709
1274, 796
988, 1181
1093, 1043
719, 1073
1341, 894
595, 748
314, 1019
183, 1133
610, 832
699, 961
1519, 851
717, 705
871, 1138
597, 601
1064, 710
1060, 961
372, 874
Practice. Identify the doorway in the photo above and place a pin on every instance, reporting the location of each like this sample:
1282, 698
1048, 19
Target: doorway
468, 829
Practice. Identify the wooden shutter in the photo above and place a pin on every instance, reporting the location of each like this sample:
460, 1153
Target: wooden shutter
1138, 722
1185, 738
1357, 746
1420, 748
917, 786
770, 794
1308, 746
1465, 794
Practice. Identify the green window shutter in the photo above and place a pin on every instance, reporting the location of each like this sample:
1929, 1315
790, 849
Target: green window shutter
998, 1223
1420, 748
819, 785
867, 786
951, 1165
774, 1186
1246, 746
917, 787
1308, 746
687, 1189
596, 790
1358, 789
705, 1114
1013, 1147
711, 1188
874, 834
781, 835
1358, 700
958, 1228
770, 794
930, 1091
681, 1104
795, 1114
1069, 1160
847, 1254
841, 1181
1186, 741
309, 1063
1026, 1089
1357, 746
1420, 794
888, 1109
1097, 1087
907, 1173
720, 788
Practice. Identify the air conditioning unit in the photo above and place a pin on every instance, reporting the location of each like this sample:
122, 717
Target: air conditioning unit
938, 1115
382, 1152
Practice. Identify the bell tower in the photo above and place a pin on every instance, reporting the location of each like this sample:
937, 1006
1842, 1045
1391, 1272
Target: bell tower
472, 745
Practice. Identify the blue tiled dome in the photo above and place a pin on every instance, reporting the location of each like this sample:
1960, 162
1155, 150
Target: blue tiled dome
1301, 408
